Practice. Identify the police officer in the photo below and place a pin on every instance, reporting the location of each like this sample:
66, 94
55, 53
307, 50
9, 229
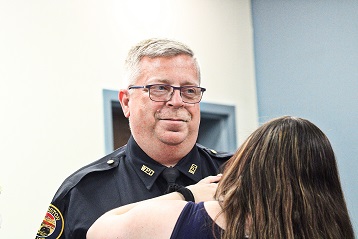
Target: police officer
162, 105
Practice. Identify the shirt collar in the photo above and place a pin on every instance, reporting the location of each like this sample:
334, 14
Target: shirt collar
148, 169
191, 165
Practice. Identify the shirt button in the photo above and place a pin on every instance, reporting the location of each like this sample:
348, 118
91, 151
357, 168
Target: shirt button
213, 151
111, 161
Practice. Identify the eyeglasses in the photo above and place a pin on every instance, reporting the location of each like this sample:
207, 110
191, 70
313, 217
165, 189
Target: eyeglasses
163, 93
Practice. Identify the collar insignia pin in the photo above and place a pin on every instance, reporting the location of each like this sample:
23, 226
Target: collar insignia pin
147, 170
193, 168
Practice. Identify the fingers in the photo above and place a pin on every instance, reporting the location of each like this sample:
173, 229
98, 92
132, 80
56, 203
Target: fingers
211, 179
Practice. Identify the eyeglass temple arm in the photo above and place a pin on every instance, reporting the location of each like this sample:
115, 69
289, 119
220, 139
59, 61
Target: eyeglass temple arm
137, 87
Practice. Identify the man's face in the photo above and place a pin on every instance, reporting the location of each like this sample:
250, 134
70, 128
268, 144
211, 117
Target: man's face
173, 122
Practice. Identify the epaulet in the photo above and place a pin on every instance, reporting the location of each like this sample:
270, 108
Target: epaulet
214, 153
108, 162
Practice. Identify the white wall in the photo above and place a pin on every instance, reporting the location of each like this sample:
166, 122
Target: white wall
57, 56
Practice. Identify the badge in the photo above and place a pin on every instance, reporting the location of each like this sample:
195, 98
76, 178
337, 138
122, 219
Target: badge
52, 225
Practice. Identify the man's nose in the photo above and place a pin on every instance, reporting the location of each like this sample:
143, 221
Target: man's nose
176, 99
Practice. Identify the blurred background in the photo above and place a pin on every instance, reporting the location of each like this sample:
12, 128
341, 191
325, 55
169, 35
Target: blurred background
261, 58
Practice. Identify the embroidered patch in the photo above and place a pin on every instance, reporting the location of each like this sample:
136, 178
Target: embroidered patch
52, 225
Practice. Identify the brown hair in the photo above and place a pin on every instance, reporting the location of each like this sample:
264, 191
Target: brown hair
284, 178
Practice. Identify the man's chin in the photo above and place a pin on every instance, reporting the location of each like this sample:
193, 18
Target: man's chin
173, 125
173, 138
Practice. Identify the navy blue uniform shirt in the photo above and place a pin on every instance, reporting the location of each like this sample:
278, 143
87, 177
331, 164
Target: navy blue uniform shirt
125, 176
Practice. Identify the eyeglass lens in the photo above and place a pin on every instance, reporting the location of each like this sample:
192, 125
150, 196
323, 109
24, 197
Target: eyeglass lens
189, 94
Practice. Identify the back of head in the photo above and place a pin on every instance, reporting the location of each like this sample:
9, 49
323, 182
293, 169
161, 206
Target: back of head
155, 47
285, 180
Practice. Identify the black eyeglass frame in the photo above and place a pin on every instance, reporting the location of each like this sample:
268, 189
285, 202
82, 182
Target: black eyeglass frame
202, 90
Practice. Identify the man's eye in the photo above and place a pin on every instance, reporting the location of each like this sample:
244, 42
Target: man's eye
190, 91
162, 87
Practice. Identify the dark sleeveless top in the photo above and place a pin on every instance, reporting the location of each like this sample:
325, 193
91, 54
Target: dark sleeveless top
194, 222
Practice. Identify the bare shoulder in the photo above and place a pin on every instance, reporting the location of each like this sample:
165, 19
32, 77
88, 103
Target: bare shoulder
156, 219
213, 209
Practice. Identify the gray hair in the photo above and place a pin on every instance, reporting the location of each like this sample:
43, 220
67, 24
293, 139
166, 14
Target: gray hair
152, 48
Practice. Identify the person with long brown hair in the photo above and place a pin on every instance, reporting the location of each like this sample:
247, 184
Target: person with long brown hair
283, 182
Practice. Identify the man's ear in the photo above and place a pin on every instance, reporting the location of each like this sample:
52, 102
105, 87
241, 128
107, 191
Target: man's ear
123, 97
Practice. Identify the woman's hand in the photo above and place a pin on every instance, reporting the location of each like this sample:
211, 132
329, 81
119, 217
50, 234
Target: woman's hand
205, 189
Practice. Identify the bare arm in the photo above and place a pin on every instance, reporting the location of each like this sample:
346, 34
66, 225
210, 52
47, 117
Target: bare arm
152, 218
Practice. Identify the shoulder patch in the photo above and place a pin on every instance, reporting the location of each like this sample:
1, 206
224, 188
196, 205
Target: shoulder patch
52, 225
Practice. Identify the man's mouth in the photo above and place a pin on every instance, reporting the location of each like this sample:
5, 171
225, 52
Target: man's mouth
179, 116
173, 119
